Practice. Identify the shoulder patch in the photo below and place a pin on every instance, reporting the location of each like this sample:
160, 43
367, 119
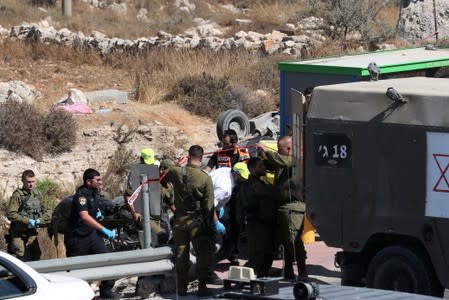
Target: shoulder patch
82, 200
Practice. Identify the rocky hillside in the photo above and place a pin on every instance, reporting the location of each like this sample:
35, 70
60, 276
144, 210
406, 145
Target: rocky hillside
114, 44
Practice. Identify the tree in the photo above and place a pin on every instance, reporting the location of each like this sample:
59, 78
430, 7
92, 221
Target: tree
356, 15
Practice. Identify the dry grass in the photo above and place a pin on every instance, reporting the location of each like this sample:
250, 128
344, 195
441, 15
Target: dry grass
157, 73
14, 12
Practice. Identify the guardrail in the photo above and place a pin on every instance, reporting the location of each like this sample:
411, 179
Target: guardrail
114, 265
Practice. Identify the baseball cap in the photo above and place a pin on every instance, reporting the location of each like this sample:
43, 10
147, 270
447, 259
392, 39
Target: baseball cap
241, 169
147, 156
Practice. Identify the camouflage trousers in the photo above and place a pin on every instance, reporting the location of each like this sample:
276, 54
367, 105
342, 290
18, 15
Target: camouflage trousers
184, 233
290, 228
24, 246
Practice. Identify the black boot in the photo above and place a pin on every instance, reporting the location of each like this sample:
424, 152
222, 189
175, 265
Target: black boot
203, 290
302, 271
181, 288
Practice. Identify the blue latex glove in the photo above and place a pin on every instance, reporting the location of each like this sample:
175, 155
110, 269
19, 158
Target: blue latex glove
99, 215
38, 222
221, 212
110, 234
219, 227
31, 223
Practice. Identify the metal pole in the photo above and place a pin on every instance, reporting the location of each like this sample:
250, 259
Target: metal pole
435, 19
146, 212
67, 8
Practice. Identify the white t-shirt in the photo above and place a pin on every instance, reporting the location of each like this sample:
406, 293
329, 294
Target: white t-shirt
223, 185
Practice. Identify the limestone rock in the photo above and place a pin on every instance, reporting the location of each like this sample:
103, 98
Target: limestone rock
142, 14
119, 9
270, 46
417, 20
18, 91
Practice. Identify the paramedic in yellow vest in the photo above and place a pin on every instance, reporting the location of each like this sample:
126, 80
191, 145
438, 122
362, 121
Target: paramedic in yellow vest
27, 212
229, 155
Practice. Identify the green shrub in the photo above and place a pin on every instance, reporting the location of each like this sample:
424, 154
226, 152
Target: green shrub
60, 131
119, 165
21, 129
208, 96
25, 129
50, 191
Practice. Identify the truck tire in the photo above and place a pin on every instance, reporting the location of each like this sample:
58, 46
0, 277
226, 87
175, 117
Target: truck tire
352, 275
233, 119
401, 269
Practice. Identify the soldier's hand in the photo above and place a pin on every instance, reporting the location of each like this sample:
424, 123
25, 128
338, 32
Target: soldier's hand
219, 227
260, 149
137, 217
31, 223
110, 234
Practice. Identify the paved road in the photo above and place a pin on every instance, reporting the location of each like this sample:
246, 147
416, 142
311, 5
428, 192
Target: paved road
320, 263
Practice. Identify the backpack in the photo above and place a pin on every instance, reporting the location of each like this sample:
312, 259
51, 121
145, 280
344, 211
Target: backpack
60, 216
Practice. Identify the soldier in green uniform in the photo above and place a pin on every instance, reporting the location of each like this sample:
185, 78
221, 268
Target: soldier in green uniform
26, 211
291, 209
259, 208
193, 205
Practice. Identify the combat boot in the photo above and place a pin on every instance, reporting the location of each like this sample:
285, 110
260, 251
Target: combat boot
181, 288
303, 275
203, 290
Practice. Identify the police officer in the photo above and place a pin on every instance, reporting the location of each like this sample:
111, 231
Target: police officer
257, 198
26, 211
193, 204
82, 235
291, 209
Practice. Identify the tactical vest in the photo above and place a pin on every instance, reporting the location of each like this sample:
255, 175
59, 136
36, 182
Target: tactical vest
31, 204
30, 207
224, 157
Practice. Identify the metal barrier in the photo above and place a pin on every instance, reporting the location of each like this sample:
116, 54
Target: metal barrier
143, 262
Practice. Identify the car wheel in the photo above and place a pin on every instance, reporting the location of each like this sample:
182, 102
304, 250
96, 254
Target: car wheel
352, 275
401, 269
233, 119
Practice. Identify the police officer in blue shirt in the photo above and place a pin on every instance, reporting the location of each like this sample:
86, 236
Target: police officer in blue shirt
83, 235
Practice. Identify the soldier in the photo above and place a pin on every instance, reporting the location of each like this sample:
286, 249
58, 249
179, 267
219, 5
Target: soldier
82, 235
193, 204
259, 206
26, 211
167, 199
291, 209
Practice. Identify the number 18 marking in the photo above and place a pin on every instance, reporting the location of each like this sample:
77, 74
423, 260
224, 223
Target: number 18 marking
340, 153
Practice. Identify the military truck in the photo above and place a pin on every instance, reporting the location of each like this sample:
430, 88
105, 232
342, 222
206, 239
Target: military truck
374, 173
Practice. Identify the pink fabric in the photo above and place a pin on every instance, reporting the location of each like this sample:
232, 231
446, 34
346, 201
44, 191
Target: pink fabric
77, 108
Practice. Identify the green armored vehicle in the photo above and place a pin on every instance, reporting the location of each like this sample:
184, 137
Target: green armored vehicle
375, 172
